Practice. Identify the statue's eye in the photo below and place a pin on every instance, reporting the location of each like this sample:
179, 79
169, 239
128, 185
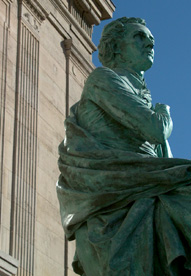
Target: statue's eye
143, 36
140, 35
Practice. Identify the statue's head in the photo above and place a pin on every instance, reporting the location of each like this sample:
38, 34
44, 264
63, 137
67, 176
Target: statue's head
127, 43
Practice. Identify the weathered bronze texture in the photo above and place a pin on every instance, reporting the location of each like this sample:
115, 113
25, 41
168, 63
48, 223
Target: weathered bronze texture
122, 196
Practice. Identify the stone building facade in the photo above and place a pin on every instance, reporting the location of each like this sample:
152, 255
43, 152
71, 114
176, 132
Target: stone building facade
45, 58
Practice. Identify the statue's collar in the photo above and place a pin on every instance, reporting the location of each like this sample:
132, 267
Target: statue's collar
138, 85
132, 76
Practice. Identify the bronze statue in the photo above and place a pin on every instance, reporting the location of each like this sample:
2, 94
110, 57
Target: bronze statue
122, 196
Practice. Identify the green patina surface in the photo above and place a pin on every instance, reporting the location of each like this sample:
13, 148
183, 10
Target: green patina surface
122, 196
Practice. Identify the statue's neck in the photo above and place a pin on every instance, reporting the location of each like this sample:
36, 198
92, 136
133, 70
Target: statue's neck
132, 75
138, 75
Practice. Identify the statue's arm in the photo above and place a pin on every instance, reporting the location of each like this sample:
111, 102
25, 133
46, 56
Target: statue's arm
106, 89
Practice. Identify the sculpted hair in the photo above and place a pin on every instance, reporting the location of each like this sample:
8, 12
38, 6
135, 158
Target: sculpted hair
111, 35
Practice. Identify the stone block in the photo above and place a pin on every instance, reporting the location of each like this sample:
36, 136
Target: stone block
49, 216
51, 116
51, 91
45, 266
52, 67
50, 243
47, 187
47, 161
54, 45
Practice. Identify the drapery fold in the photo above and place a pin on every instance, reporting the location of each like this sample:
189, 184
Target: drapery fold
143, 204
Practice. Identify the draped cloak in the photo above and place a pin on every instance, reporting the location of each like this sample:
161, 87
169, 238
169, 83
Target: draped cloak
121, 197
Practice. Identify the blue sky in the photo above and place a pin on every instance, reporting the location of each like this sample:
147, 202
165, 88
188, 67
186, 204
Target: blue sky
170, 77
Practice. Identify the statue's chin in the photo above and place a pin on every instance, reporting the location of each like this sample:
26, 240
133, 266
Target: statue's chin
148, 64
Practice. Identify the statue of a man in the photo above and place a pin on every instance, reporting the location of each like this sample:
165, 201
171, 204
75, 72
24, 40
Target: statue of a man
122, 197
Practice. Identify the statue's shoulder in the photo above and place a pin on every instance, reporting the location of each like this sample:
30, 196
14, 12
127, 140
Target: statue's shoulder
102, 76
102, 72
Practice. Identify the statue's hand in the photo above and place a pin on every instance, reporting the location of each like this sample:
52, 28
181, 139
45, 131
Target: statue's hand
162, 108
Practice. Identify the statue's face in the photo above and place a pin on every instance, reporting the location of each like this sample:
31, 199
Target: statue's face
136, 48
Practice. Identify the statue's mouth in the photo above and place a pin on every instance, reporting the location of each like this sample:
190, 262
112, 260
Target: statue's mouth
150, 53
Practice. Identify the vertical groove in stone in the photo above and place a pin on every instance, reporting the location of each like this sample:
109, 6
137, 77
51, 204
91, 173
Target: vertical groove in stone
26, 153
35, 147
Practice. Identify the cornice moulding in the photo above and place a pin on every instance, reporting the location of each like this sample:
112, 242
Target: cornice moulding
76, 32
107, 8
87, 7
36, 8
74, 25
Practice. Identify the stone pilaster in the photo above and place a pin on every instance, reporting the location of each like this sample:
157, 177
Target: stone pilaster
5, 7
23, 208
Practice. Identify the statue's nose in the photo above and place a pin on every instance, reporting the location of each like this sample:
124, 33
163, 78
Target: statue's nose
149, 45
